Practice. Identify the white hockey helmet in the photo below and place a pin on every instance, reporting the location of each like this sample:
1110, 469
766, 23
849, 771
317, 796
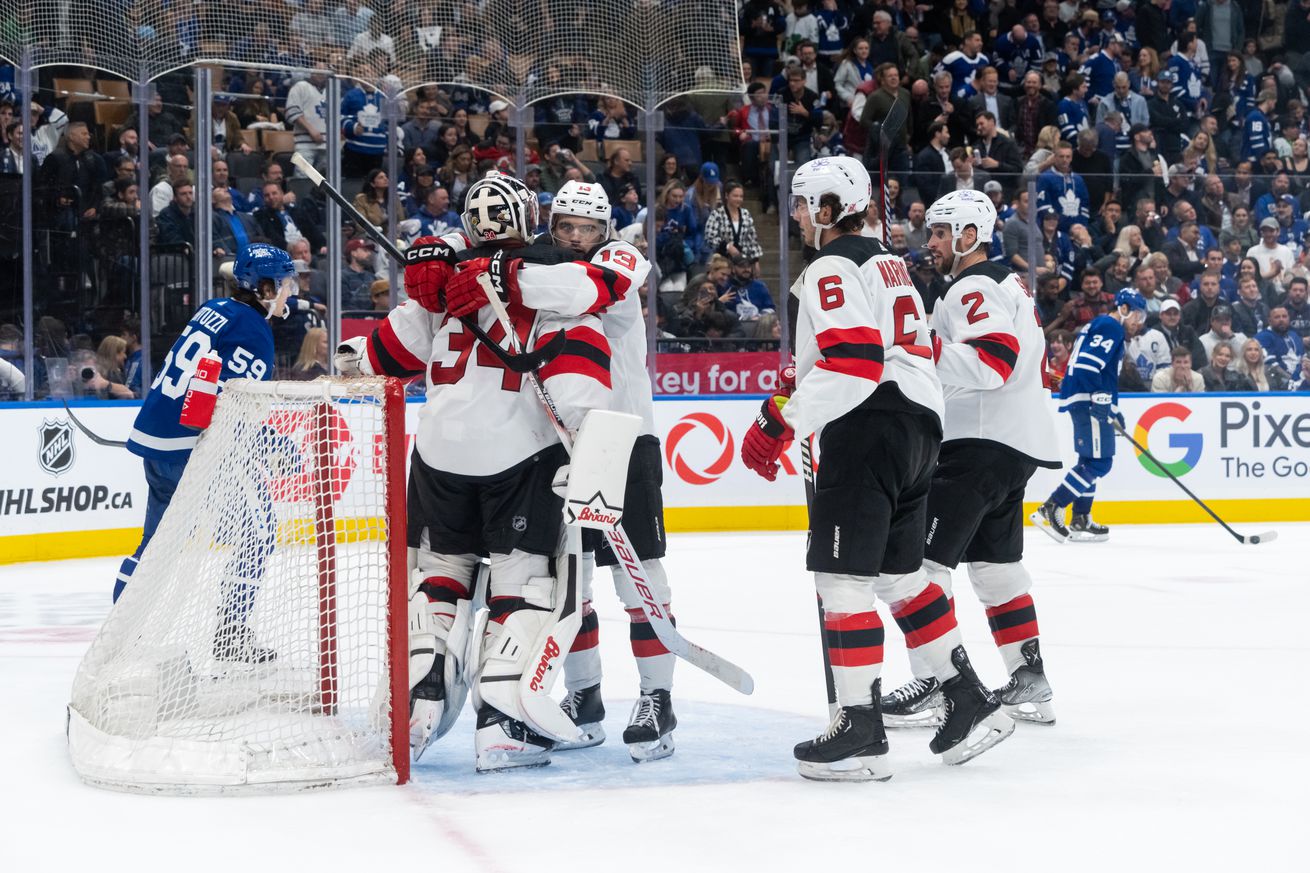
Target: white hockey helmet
498, 207
842, 176
582, 200
961, 209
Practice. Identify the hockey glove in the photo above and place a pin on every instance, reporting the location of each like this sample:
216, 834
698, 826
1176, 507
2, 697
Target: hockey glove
349, 355
429, 266
764, 442
465, 294
1101, 407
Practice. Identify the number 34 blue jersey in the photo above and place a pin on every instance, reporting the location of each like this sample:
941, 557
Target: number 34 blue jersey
234, 331
1093, 364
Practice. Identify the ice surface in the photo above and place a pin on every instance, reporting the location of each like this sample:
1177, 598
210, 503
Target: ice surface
1177, 658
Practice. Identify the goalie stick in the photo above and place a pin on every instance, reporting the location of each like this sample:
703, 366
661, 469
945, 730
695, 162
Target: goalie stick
890, 128
523, 362
1253, 540
633, 577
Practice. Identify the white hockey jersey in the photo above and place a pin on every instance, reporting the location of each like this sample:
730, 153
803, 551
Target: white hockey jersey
992, 357
861, 326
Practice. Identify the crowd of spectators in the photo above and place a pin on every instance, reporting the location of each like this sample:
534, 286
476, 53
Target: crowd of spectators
1165, 141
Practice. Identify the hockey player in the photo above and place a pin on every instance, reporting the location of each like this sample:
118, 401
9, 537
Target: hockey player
481, 479
1090, 394
867, 388
990, 353
235, 328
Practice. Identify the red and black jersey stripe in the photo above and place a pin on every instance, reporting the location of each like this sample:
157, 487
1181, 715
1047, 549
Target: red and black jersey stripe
853, 639
444, 589
645, 643
610, 285
854, 351
586, 353
1000, 351
926, 617
388, 355
588, 632
1013, 622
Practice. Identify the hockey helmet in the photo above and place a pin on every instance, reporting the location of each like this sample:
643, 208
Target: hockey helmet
581, 200
258, 262
961, 209
499, 208
842, 176
1131, 298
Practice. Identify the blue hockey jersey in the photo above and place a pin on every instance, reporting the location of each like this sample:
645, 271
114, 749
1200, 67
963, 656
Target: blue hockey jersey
1093, 365
236, 333
962, 69
1257, 135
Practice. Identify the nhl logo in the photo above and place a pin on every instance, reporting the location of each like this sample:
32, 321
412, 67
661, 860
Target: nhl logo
519, 523
56, 451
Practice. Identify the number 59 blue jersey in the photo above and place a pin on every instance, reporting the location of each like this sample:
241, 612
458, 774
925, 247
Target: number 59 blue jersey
238, 334
1093, 364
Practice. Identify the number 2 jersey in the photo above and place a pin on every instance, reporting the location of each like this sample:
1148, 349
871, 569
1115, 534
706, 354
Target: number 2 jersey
860, 329
235, 331
992, 356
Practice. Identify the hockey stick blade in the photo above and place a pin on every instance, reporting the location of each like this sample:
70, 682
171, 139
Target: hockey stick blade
1257, 539
90, 434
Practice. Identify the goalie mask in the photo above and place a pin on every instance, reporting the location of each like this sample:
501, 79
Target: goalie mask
499, 208
268, 273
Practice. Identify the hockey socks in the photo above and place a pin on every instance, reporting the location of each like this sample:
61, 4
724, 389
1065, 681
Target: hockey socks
1079, 485
654, 662
854, 642
582, 664
928, 622
1013, 624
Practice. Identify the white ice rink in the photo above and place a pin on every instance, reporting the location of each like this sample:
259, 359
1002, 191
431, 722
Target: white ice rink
1178, 659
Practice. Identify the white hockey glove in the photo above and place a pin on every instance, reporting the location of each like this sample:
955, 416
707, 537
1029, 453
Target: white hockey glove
349, 359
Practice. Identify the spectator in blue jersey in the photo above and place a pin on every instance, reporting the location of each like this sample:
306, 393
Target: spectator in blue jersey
761, 23
1192, 95
362, 121
236, 329
1257, 129
1071, 111
679, 216
1298, 306
1069, 58
1283, 346
1100, 70
611, 121
683, 129
434, 217
833, 28
743, 295
232, 230
1056, 244
222, 178
1063, 190
1089, 393
1280, 186
1014, 53
963, 64
1291, 228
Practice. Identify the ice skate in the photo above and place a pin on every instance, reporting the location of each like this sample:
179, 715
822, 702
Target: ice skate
917, 703
1049, 519
503, 743
1027, 696
1082, 529
587, 711
236, 642
649, 733
853, 749
973, 720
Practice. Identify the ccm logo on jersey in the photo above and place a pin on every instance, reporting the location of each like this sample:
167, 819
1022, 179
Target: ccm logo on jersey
551, 653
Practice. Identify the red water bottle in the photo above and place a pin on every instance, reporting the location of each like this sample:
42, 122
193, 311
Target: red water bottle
202, 393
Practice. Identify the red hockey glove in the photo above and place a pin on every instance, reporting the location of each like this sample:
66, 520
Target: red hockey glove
764, 442
465, 294
787, 379
429, 264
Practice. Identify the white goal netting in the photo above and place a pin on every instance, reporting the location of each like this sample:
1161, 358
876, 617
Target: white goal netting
254, 646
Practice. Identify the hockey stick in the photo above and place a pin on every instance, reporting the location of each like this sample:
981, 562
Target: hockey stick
807, 471
91, 435
1255, 540
518, 363
634, 578
891, 128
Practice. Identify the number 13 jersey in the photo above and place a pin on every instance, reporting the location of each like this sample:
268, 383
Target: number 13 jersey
861, 328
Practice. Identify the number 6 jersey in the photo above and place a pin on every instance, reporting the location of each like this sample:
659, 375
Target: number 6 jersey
861, 329
237, 333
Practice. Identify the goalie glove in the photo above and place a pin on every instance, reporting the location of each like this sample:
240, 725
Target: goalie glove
465, 295
429, 266
767, 437
350, 358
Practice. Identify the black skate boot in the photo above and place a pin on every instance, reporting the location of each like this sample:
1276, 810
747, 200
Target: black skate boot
503, 743
236, 642
587, 711
974, 722
1049, 518
917, 703
853, 749
649, 733
1027, 696
1083, 530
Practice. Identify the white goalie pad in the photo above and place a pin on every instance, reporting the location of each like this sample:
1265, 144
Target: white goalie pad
598, 469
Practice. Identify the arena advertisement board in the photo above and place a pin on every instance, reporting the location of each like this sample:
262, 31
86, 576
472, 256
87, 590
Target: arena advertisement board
1247, 455
729, 373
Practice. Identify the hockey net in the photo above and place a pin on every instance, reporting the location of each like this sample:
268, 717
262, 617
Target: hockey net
260, 644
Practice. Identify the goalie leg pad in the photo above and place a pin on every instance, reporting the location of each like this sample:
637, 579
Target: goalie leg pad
439, 636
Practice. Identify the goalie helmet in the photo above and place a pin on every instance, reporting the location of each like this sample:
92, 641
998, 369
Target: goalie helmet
499, 208
843, 177
961, 209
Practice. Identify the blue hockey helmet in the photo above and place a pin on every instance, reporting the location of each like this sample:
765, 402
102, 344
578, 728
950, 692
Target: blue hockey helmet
262, 261
1130, 298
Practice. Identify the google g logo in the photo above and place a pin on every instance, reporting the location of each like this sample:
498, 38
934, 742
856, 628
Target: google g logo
1190, 443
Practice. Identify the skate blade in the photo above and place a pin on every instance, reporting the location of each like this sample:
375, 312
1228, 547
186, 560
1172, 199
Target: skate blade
987, 733
928, 718
1042, 525
1032, 712
1088, 537
592, 735
654, 751
866, 768
498, 760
